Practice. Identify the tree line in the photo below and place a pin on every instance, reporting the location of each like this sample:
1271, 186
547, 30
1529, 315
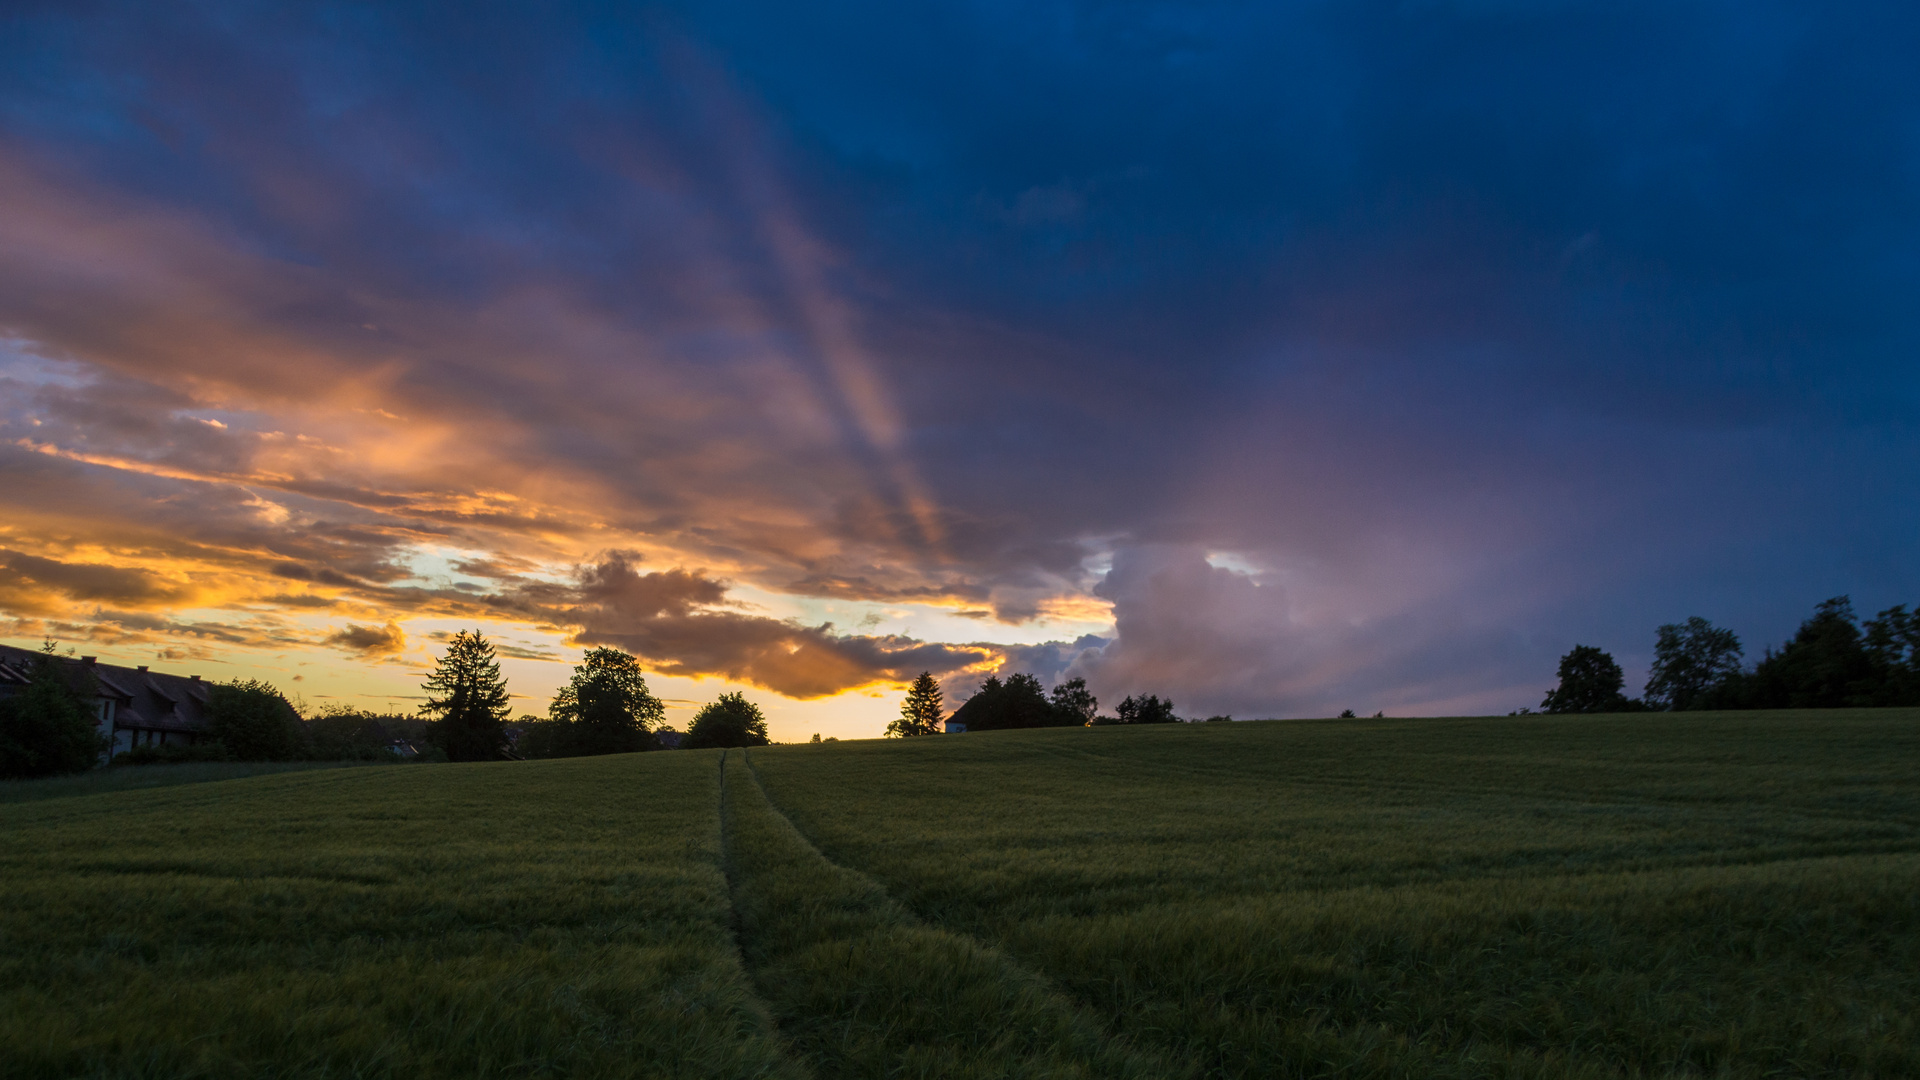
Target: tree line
50, 728
605, 708
1019, 701
1835, 660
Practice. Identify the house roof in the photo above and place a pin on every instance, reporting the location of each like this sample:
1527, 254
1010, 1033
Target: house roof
144, 700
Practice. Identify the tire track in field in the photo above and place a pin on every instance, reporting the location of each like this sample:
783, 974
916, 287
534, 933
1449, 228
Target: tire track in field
860, 987
798, 1068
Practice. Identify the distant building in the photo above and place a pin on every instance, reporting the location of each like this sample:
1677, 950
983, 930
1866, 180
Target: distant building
132, 706
955, 727
668, 738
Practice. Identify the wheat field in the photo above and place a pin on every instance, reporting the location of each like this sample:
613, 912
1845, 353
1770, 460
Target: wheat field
1705, 895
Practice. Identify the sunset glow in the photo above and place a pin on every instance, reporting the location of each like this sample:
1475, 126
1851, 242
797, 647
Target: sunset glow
1276, 361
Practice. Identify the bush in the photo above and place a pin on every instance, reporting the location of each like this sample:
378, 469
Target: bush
47, 729
352, 735
173, 755
255, 723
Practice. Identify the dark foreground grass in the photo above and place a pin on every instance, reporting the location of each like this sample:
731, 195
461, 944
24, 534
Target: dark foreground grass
864, 989
1658, 896
523, 919
1655, 896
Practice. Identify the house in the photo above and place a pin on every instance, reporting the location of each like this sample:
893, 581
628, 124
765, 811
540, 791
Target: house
955, 727
133, 706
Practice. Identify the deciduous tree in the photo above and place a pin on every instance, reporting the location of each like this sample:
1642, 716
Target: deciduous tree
1590, 682
1825, 666
47, 729
255, 722
1689, 659
605, 708
1145, 709
730, 720
1073, 704
1893, 644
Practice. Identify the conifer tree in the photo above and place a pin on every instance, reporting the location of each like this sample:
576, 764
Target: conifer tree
468, 700
920, 712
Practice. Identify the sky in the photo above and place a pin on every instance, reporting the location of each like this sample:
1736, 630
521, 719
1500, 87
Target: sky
1277, 358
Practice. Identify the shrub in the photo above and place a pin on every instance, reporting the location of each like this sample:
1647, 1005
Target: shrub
255, 723
47, 728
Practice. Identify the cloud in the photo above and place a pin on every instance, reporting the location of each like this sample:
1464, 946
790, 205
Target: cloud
385, 640
35, 585
520, 652
672, 621
1218, 640
1463, 350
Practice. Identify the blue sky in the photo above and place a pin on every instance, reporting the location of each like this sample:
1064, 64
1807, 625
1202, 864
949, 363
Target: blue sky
1278, 358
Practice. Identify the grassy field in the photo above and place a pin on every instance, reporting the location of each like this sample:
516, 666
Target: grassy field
519, 919
1705, 895
133, 777
1714, 895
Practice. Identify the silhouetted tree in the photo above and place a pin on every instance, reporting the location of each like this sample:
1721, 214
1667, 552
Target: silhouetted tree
356, 735
1073, 704
1893, 645
1690, 659
1146, 709
605, 708
1590, 682
47, 728
1019, 702
467, 699
731, 720
920, 712
1824, 666
254, 722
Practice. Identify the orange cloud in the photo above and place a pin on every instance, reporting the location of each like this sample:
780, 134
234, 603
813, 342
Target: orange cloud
385, 640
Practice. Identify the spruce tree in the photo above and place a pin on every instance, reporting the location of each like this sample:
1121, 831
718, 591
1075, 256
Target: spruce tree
467, 699
920, 712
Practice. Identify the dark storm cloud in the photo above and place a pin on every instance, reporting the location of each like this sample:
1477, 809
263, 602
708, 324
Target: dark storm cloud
1216, 640
1469, 329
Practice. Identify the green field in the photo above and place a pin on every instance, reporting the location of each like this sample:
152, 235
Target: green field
1636, 896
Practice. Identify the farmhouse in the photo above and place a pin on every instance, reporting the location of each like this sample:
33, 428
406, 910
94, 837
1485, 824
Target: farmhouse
133, 706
